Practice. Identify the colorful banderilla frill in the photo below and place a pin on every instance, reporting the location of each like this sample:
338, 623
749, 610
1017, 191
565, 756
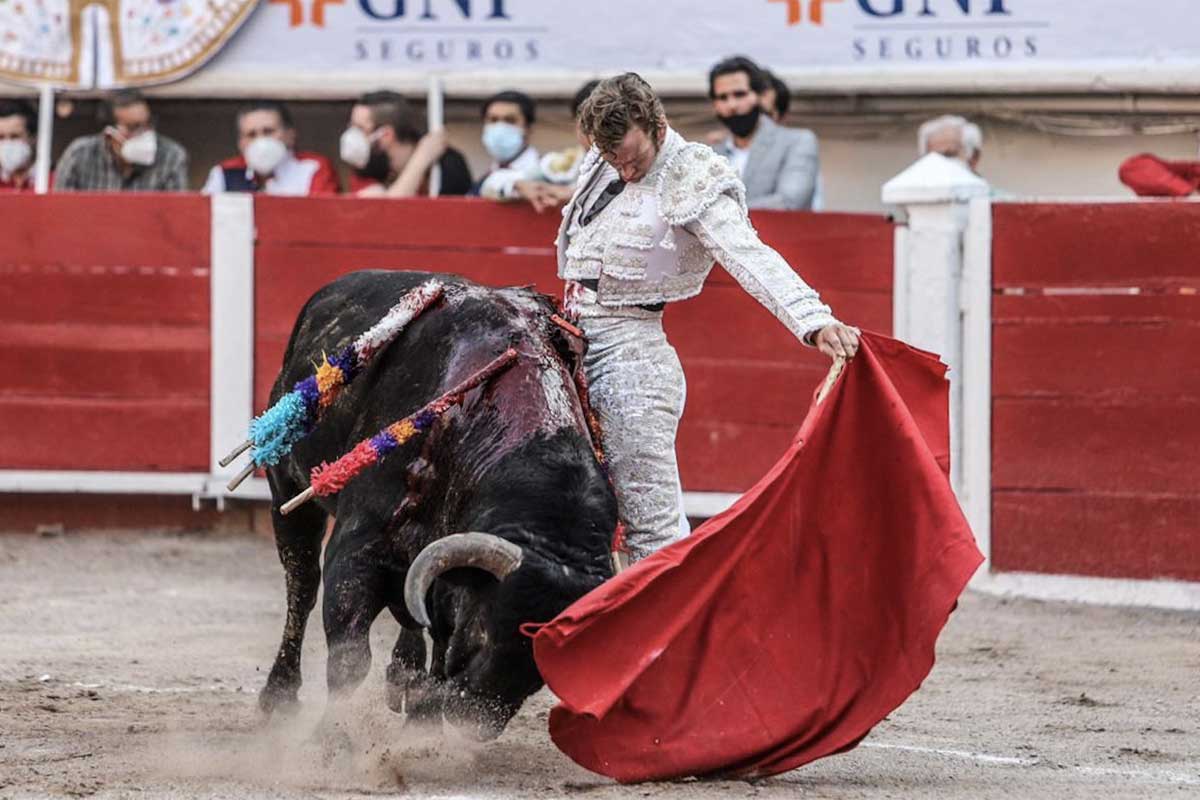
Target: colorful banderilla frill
276, 431
328, 479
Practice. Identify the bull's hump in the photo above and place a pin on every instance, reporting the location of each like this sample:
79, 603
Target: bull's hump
537, 395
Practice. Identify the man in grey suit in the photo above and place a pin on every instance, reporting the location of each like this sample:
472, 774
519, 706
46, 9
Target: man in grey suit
778, 165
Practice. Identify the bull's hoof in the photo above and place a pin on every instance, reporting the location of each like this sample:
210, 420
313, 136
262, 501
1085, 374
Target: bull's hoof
279, 699
393, 695
423, 700
333, 742
413, 693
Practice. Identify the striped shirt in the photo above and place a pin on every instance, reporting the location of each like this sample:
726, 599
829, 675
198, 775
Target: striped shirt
88, 165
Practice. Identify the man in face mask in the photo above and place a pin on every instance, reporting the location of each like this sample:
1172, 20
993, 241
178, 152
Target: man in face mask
128, 155
392, 154
778, 165
269, 162
18, 131
507, 119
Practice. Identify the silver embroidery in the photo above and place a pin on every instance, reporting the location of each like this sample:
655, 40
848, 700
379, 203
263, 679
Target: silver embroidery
627, 266
725, 232
638, 392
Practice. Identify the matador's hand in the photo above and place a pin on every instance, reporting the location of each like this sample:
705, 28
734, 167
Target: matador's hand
838, 340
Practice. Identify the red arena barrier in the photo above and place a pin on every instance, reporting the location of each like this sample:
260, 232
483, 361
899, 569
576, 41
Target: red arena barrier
104, 316
105, 309
749, 380
1095, 417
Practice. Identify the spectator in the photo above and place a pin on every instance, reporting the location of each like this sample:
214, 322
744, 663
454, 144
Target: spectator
778, 165
558, 170
953, 137
268, 162
776, 98
128, 155
508, 118
1151, 176
18, 133
387, 145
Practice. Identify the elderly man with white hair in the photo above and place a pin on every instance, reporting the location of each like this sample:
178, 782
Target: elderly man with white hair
953, 137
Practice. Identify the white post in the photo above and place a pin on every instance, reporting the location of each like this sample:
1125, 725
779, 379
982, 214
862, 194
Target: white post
232, 296
436, 112
975, 490
41, 165
938, 194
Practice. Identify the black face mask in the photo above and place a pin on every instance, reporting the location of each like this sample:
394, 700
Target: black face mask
378, 167
742, 125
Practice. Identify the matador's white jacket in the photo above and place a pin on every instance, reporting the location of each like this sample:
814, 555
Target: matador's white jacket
659, 238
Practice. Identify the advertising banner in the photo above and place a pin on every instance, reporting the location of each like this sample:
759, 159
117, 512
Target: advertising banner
351, 43
675, 36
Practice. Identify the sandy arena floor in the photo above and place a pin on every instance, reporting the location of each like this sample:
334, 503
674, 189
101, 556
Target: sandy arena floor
129, 666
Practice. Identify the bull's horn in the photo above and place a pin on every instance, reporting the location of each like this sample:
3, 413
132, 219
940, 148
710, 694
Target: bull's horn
483, 551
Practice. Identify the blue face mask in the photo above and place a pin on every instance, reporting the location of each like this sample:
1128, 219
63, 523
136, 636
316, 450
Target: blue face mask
503, 141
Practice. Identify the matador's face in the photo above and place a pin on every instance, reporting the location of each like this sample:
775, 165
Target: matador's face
634, 157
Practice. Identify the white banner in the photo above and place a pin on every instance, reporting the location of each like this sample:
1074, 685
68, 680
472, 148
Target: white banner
299, 47
321, 37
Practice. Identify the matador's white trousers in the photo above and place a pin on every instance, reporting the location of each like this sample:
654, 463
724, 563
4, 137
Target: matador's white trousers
637, 391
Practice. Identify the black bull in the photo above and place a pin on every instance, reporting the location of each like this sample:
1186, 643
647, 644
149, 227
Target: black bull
513, 463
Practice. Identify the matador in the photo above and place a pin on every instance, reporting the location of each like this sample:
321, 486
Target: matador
650, 216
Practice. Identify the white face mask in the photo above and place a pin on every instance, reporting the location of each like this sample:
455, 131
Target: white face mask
140, 149
264, 154
15, 154
355, 147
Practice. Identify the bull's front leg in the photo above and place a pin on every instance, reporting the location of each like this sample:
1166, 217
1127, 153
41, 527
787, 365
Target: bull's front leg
408, 683
298, 540
355, 579
355, 576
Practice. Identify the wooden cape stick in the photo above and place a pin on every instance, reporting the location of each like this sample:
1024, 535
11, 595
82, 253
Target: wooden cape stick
839, 364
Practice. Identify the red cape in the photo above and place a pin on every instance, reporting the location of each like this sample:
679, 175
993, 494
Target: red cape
784, 629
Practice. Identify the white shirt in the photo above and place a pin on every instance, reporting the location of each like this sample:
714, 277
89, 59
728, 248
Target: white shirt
500, 181
738, 157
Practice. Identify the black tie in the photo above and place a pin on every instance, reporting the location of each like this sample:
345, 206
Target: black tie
607, 196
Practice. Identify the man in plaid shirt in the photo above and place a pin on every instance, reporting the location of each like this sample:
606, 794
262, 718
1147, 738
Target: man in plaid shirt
128, 155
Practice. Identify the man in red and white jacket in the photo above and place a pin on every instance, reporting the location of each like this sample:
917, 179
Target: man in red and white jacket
268, 162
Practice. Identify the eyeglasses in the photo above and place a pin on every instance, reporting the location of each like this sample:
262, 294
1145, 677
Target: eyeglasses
737, 94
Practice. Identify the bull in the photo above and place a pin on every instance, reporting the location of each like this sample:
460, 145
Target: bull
498, 516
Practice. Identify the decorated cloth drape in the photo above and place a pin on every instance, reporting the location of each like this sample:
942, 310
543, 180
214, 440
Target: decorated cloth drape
787, 627
108, 44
